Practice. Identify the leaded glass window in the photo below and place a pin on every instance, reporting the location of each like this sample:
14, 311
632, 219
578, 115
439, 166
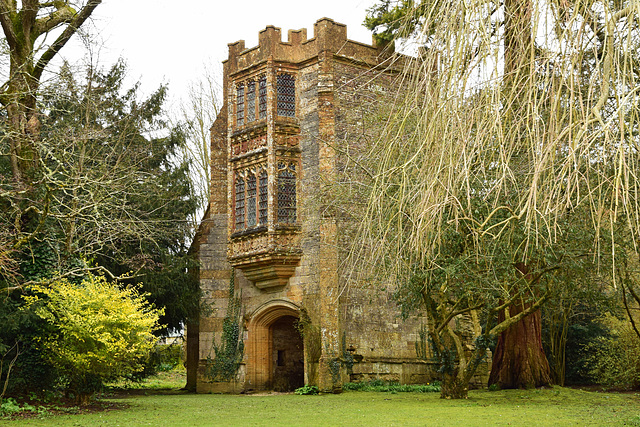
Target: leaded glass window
286, 95
286, 193
240, 105
251, 200
264, 197
251, 101
262, 97
239, 202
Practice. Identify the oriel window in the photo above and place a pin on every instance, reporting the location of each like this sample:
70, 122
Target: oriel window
286, 193
251, 199
264, 197
251, 101
286, 95
239, 202
240, 105
262, 97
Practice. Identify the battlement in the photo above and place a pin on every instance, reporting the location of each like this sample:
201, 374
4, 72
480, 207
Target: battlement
328, 36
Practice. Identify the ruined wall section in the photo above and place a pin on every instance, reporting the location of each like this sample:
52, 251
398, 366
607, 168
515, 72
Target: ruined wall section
306, 274
381, 343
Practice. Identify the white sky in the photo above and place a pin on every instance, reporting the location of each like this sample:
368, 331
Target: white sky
171, 41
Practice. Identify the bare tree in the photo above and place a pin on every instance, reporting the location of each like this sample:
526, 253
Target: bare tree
197, 114
25, 29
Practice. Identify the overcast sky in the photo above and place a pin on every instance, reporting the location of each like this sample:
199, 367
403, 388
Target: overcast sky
171, 41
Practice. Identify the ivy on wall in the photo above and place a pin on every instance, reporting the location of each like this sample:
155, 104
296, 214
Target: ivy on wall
227, 355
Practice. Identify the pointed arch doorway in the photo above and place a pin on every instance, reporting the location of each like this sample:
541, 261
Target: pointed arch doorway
276, 350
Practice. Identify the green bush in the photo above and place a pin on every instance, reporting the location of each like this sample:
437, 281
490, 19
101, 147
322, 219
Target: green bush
10, 406
21, 332
307, 390
393, 387
615, 359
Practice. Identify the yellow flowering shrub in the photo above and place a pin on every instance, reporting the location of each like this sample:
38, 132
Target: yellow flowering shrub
101, 330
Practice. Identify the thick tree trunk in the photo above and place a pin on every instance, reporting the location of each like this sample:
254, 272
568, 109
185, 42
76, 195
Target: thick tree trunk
519, 360
453, 387
23, 124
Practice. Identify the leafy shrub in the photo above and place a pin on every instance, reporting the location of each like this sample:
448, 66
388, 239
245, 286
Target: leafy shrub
307, 390
579, 336
10, 406
101, 331
615, 359
21, 333
393, 387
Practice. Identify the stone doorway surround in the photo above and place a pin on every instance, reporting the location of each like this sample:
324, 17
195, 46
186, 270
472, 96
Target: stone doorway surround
260, 369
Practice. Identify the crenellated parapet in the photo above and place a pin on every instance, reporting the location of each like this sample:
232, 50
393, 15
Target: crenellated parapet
328, 36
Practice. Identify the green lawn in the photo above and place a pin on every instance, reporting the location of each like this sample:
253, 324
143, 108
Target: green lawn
558, 406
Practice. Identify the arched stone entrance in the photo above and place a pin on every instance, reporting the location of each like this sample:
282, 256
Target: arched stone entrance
275, 351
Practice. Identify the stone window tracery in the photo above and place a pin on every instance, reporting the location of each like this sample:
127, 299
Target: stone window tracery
239, 202
251, 199
286, 193
251, 101
264, 197
262, 97
240, 104
286, 91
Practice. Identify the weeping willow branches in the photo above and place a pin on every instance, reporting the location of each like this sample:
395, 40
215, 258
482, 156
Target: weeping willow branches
517, 114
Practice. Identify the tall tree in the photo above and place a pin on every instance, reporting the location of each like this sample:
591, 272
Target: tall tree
111, 194
125, 194
24, 198
507, 166
198, 114
24, 27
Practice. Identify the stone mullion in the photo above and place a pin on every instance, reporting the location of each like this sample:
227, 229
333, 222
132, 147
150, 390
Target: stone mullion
231, 184
271, 146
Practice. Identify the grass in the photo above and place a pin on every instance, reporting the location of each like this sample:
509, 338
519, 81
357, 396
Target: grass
149, 404
174, 379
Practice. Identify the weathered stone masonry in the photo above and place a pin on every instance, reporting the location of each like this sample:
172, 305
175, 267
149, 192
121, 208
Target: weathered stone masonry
287, 106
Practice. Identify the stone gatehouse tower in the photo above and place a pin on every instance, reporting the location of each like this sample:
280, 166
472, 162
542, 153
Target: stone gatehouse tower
288, 105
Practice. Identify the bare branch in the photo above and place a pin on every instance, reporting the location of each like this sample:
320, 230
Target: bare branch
63, 38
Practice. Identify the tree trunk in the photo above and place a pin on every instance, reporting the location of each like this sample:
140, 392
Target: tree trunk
23, 123
83, 399
193, 355
519, 360
453, 387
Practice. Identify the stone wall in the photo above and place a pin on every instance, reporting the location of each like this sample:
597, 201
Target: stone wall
350, 332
